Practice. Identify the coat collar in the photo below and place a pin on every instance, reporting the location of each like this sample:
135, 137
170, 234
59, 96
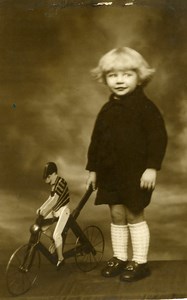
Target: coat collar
138, 92
129, 100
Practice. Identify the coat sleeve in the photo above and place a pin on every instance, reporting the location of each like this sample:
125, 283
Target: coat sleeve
93, 147
156, 135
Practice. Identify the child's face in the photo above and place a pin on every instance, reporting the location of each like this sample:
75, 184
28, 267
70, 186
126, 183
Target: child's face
122, 82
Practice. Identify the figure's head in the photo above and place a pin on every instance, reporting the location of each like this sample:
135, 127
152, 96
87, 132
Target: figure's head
50, 172
123, 59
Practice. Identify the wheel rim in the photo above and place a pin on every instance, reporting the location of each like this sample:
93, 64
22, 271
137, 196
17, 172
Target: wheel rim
85, 259
22, 270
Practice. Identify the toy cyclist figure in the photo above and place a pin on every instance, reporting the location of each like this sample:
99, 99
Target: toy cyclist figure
56, 205
127, 147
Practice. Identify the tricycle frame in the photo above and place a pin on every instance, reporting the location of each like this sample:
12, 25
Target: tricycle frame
23, 266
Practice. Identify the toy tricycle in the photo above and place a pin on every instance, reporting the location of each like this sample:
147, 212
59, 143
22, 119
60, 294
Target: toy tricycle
23, 266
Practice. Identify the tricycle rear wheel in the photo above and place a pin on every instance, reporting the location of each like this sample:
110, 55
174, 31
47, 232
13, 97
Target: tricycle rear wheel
87, 259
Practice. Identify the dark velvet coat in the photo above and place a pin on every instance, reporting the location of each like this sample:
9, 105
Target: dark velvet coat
129, 136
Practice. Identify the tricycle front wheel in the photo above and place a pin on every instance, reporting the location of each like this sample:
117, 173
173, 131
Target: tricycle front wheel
22, 269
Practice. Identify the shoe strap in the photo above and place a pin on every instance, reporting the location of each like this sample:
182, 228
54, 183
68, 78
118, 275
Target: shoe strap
133, 265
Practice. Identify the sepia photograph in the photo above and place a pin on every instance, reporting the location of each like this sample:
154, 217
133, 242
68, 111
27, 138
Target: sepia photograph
93, 149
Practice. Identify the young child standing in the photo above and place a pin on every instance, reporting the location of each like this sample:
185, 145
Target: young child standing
127, 147
56, 205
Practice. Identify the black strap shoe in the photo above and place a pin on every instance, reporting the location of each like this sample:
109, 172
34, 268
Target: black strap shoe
114, 267
135, 271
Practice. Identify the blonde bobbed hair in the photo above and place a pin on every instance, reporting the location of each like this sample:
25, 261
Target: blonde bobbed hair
123, 59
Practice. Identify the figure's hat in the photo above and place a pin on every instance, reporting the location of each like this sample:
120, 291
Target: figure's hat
49, 169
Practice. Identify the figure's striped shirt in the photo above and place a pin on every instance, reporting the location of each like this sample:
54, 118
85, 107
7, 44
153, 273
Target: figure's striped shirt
61, 189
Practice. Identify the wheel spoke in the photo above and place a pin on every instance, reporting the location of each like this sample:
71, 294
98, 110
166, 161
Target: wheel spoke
22, 270
84, 256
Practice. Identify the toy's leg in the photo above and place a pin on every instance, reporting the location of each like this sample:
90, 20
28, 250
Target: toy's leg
46, 229
63, 213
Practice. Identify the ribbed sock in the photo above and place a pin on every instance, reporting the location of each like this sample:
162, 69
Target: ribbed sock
140, 238
119, 237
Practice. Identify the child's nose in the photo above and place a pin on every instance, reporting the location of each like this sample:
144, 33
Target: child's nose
120, 78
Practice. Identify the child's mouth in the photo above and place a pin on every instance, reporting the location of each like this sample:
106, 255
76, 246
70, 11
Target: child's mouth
120, 89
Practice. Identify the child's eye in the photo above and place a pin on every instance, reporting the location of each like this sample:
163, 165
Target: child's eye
128, 74
111, 74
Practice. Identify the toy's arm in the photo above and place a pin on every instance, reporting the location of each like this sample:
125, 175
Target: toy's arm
48, 205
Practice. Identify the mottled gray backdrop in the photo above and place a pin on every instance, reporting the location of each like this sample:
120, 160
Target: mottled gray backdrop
48, 105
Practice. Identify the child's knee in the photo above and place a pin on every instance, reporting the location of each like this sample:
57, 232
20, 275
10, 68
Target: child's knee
118, 214
135, 217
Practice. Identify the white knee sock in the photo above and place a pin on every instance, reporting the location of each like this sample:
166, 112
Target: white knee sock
140, 238
119, 237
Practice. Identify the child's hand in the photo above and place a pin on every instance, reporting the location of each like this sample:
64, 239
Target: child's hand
91, 180
148, 179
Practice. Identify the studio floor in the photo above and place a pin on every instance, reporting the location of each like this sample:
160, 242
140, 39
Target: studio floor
168, 280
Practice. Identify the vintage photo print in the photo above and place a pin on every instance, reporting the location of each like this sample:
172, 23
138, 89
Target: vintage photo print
93, 156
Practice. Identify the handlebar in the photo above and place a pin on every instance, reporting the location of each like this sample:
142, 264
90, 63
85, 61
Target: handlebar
41, 221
